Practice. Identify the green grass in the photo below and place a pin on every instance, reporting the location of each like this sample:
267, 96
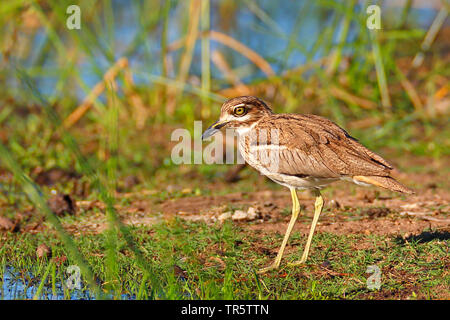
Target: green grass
116, 139
219, 262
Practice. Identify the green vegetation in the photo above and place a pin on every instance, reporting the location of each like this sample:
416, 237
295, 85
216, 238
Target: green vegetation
193, 260
101, 103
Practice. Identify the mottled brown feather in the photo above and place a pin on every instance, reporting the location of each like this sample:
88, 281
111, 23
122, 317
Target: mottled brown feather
310, 146
319, 148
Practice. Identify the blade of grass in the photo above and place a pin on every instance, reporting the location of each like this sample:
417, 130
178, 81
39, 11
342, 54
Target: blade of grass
345, 25
164, 51
206, 72
38, 293
142, 294
186, 58
54, 296
381, 75
261, 14
112, 141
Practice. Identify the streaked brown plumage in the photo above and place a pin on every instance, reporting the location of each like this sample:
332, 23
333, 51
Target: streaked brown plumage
318, 148
311, 152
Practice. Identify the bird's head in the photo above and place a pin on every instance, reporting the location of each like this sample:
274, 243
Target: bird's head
239, 113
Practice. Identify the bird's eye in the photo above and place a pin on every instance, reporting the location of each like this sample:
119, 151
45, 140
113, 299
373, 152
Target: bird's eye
239, 111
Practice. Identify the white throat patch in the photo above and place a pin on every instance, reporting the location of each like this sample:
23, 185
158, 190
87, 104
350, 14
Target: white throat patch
245, 130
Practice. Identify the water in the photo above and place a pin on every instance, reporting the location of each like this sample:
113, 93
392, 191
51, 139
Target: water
16, 285
269, 38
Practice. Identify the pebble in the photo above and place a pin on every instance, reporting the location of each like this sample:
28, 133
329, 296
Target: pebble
250, 215
239, 215
224, 216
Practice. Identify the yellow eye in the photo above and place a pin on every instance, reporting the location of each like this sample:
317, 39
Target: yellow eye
239, 111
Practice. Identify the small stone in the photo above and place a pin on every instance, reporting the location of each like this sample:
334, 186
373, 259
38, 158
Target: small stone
224, 216
239, 215
252, 213
410, 206
43, 251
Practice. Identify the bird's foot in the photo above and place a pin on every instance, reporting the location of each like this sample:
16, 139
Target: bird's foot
273, 266
297, 263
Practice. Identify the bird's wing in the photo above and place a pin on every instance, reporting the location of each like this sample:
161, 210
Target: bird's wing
313, 146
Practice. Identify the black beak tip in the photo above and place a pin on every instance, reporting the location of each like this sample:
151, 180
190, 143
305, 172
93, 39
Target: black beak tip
208, 133
212, 130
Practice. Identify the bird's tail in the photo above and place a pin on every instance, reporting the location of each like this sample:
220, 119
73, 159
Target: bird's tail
384, 182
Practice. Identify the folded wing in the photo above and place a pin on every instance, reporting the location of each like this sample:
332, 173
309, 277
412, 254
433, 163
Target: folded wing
313, 146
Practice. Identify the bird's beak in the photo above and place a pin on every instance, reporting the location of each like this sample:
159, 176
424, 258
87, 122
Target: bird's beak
213, 129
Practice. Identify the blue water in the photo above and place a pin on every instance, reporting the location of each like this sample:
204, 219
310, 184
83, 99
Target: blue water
15, 286
270, 41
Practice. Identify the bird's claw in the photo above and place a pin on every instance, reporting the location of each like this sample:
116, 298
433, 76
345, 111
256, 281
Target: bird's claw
297, 263
273, 266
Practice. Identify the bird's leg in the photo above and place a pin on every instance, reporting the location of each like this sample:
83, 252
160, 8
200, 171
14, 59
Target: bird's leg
317, 210
295, 212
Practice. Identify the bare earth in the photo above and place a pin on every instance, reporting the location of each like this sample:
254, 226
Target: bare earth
349, 209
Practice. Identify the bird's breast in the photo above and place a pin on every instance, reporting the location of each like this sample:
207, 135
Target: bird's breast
264, 157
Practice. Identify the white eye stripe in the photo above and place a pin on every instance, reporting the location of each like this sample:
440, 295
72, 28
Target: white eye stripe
234, 118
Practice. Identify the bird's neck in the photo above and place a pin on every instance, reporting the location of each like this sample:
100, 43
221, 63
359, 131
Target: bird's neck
244, 130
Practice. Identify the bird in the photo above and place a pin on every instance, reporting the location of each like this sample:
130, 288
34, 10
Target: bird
300, 151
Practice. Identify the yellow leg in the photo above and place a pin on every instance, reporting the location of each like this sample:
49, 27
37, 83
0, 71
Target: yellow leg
317, 211
295, 212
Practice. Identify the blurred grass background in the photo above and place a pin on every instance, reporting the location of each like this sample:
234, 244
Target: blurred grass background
102, 101
157, 65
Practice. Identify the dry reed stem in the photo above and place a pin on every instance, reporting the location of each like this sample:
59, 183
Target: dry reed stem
365, 123
254, 57
263, 86
341, 94
430, 36
186, 58
109, 76
410, 91
244, 50
220, 62
141, 113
